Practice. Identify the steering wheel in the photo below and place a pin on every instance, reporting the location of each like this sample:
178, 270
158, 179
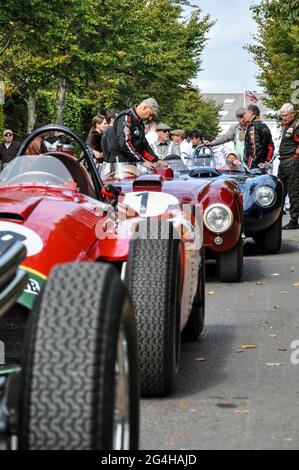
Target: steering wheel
171, 157
31, 175
124, 174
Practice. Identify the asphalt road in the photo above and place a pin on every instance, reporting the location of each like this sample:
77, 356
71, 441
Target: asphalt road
228, 397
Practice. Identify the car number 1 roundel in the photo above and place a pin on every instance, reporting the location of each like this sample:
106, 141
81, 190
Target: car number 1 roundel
150, 203
12, 232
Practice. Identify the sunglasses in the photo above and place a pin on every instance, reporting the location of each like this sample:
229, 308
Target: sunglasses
8, 134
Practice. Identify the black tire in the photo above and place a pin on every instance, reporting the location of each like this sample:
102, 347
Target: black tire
196, 319
270, 240
230, 264
68, 374
153, 278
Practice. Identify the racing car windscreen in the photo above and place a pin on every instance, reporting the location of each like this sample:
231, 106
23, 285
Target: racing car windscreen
39, 170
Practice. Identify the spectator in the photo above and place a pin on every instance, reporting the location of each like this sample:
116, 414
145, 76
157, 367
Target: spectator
163, 146
259, 146
37, 144
196, 139
231, 164
179, 138
94, 138
8, 148
106, 137
236, 134
288, 170
128, 142
110, 118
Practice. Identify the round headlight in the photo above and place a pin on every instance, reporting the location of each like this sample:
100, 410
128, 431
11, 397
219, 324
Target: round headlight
265, 196
218, 218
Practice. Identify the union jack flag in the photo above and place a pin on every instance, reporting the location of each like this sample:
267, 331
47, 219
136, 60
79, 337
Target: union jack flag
250, 96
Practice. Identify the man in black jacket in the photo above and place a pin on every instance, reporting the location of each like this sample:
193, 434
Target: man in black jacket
259, 146
288, 170
127, 141
8, 148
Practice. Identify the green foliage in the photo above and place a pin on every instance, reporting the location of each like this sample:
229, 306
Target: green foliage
192, 112
113, 53
276, 48
78, 112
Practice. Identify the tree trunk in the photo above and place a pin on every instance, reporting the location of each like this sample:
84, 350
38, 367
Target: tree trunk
61, 100
31, 116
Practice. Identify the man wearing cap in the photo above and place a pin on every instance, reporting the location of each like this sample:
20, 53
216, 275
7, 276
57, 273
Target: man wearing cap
163, 147
179, 138
236, 134
8, 148
127, 141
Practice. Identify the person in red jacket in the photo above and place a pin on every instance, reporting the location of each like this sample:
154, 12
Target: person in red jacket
259, 146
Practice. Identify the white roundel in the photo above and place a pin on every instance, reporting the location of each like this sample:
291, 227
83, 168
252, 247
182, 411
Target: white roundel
150, 203
10, 231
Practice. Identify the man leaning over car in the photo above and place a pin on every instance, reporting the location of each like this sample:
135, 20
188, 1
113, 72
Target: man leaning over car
127, 141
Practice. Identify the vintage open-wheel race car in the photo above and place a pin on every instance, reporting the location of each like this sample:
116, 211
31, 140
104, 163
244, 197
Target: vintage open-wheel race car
77, 384
58, 206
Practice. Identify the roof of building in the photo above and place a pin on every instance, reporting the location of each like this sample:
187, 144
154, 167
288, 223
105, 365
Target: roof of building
230, 102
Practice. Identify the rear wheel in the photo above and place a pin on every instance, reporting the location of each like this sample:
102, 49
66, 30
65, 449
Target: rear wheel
79, 376
153, 278
230, 264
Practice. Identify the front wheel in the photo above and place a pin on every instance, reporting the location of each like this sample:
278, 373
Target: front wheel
270, 239
230, 264
153, 278
79, 375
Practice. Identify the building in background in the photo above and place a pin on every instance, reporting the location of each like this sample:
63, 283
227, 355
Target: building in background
230, 102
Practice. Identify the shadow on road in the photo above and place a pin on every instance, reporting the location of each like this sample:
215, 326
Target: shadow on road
214, 346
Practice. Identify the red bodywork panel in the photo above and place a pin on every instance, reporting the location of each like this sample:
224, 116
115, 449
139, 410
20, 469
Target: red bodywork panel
64, 220
205, 193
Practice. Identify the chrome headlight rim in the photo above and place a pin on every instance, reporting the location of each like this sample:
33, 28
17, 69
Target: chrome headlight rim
271, 190
229, 212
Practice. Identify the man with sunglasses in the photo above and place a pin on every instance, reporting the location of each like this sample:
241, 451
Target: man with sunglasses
163, 146
8, 148
288, 170
127, 141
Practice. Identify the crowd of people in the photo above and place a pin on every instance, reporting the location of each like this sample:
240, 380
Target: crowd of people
133, 135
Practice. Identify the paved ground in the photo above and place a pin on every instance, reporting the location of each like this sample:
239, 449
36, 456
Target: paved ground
238, 398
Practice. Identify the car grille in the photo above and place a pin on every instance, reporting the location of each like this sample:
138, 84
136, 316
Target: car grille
12, 334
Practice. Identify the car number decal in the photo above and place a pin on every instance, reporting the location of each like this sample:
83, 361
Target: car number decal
10, 231
150, 203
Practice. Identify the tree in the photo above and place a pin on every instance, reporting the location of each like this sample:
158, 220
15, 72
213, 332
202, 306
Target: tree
115, 52
192, 112
276, 48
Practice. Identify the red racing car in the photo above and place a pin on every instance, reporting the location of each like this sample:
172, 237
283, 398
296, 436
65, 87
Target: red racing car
57, 205
221, 201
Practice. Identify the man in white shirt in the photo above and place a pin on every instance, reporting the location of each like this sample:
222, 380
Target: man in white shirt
179, 138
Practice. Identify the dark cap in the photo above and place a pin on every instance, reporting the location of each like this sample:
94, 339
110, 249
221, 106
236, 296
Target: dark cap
240, 112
